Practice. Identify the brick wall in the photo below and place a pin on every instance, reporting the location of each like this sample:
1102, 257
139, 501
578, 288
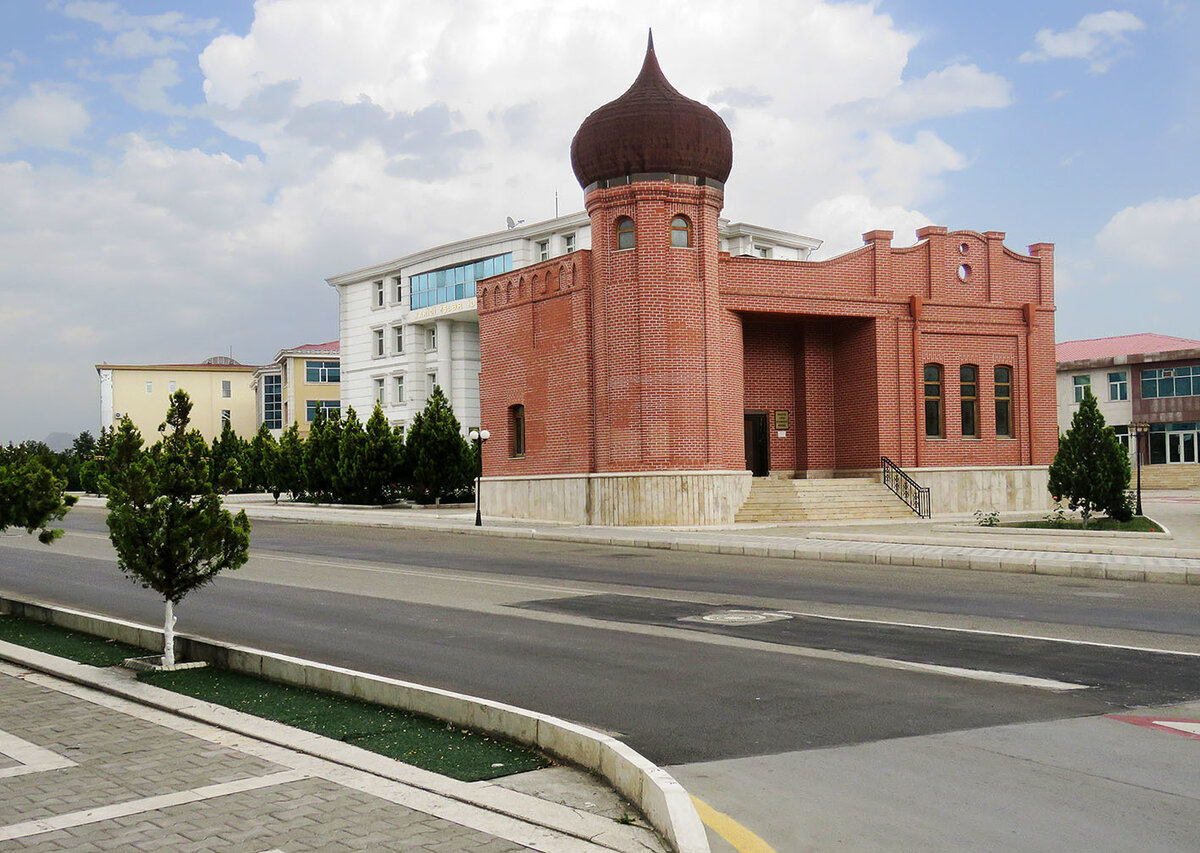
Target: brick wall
646, 359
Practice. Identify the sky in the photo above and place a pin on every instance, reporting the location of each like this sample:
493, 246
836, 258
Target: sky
178, 183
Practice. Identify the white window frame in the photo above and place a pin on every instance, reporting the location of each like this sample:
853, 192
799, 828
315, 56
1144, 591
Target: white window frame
378, 342
380, 383
398, 388
226, 389
568, 243
543, 249
380, 298
398, 281
398, 339
431, 378
1078, 383
150, 386
431, 341
1122, 384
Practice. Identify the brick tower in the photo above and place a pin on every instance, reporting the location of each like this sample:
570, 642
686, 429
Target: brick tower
653, 165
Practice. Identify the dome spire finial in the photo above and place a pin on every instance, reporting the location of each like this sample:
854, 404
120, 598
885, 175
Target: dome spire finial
651, 129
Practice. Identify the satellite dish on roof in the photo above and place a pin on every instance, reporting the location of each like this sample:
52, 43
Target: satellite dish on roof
511, 223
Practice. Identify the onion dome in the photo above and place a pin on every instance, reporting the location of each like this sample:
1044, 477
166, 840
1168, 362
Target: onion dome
652, 128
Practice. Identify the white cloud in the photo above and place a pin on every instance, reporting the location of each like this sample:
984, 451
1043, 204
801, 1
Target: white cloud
110, 17
1160, 234
841, 222
1139, 274
950, 91
1097, 39
47, 117
147, 90
134, 44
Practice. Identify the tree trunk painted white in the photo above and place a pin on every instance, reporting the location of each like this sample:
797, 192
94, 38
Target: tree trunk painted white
168, 658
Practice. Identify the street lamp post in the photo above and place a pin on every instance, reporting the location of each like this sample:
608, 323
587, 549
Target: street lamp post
479, 436
1139, 429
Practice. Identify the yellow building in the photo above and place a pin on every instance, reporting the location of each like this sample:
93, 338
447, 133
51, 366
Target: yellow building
220, 390
301, 380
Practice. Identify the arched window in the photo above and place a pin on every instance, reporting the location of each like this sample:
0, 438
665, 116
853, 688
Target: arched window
968, 378
625, 236
1004, 419
681, 232
516, 430
933, 401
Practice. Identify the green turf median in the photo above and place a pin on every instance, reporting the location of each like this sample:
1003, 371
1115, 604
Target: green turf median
410, 738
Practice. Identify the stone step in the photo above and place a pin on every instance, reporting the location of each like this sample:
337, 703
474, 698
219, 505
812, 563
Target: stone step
1179, 476
776, 500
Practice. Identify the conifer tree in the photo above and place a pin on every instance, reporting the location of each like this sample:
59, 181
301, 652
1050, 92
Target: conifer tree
1091, 469
226, 466
262, 462
289, 471
438, 458
321, 452
350, 475
384, 448
165, 520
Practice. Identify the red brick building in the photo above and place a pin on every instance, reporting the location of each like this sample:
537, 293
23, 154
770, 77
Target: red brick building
644, 381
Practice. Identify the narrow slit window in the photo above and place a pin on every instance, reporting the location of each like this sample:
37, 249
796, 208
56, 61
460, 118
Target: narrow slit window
968, 376
933, 401
1004, 403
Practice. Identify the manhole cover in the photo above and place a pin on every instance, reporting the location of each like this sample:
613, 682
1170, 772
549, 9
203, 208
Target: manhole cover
737, 617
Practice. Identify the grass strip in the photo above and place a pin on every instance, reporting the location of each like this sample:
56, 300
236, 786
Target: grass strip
66, 643
1137, 524
420, 741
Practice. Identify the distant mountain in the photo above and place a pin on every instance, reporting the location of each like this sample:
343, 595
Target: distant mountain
59, 441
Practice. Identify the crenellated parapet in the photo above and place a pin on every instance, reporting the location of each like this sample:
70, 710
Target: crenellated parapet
534, 283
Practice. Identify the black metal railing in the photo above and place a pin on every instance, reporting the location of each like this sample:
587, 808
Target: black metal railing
905, 487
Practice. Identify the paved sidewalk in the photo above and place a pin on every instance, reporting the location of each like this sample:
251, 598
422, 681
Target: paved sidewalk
953, 542
89, 770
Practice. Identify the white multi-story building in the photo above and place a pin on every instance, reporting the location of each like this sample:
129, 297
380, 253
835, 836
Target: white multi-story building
409, 324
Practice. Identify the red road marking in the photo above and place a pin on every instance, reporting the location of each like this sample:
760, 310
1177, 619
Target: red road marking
1187, 728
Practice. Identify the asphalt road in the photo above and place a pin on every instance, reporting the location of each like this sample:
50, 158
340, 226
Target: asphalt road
640, 643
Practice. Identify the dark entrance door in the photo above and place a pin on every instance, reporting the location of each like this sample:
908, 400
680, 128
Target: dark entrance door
757, 444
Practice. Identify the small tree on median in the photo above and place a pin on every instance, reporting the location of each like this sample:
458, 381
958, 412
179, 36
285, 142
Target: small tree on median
1091, 469
165, 520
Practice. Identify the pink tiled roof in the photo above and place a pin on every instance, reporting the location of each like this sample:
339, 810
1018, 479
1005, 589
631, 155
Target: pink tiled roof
1121, 345
331, 346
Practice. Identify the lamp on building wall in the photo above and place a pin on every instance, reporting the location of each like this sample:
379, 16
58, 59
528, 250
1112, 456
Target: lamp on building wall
479, 436
1139, 429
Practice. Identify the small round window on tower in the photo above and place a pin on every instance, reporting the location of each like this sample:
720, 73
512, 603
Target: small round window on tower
962, 248
964, 272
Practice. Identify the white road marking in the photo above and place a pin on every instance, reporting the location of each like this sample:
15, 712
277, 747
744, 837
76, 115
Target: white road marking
1192, 728
984, 632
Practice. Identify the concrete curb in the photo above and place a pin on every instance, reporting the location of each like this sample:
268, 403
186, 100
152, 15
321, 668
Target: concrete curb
665, 803
1073, 558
